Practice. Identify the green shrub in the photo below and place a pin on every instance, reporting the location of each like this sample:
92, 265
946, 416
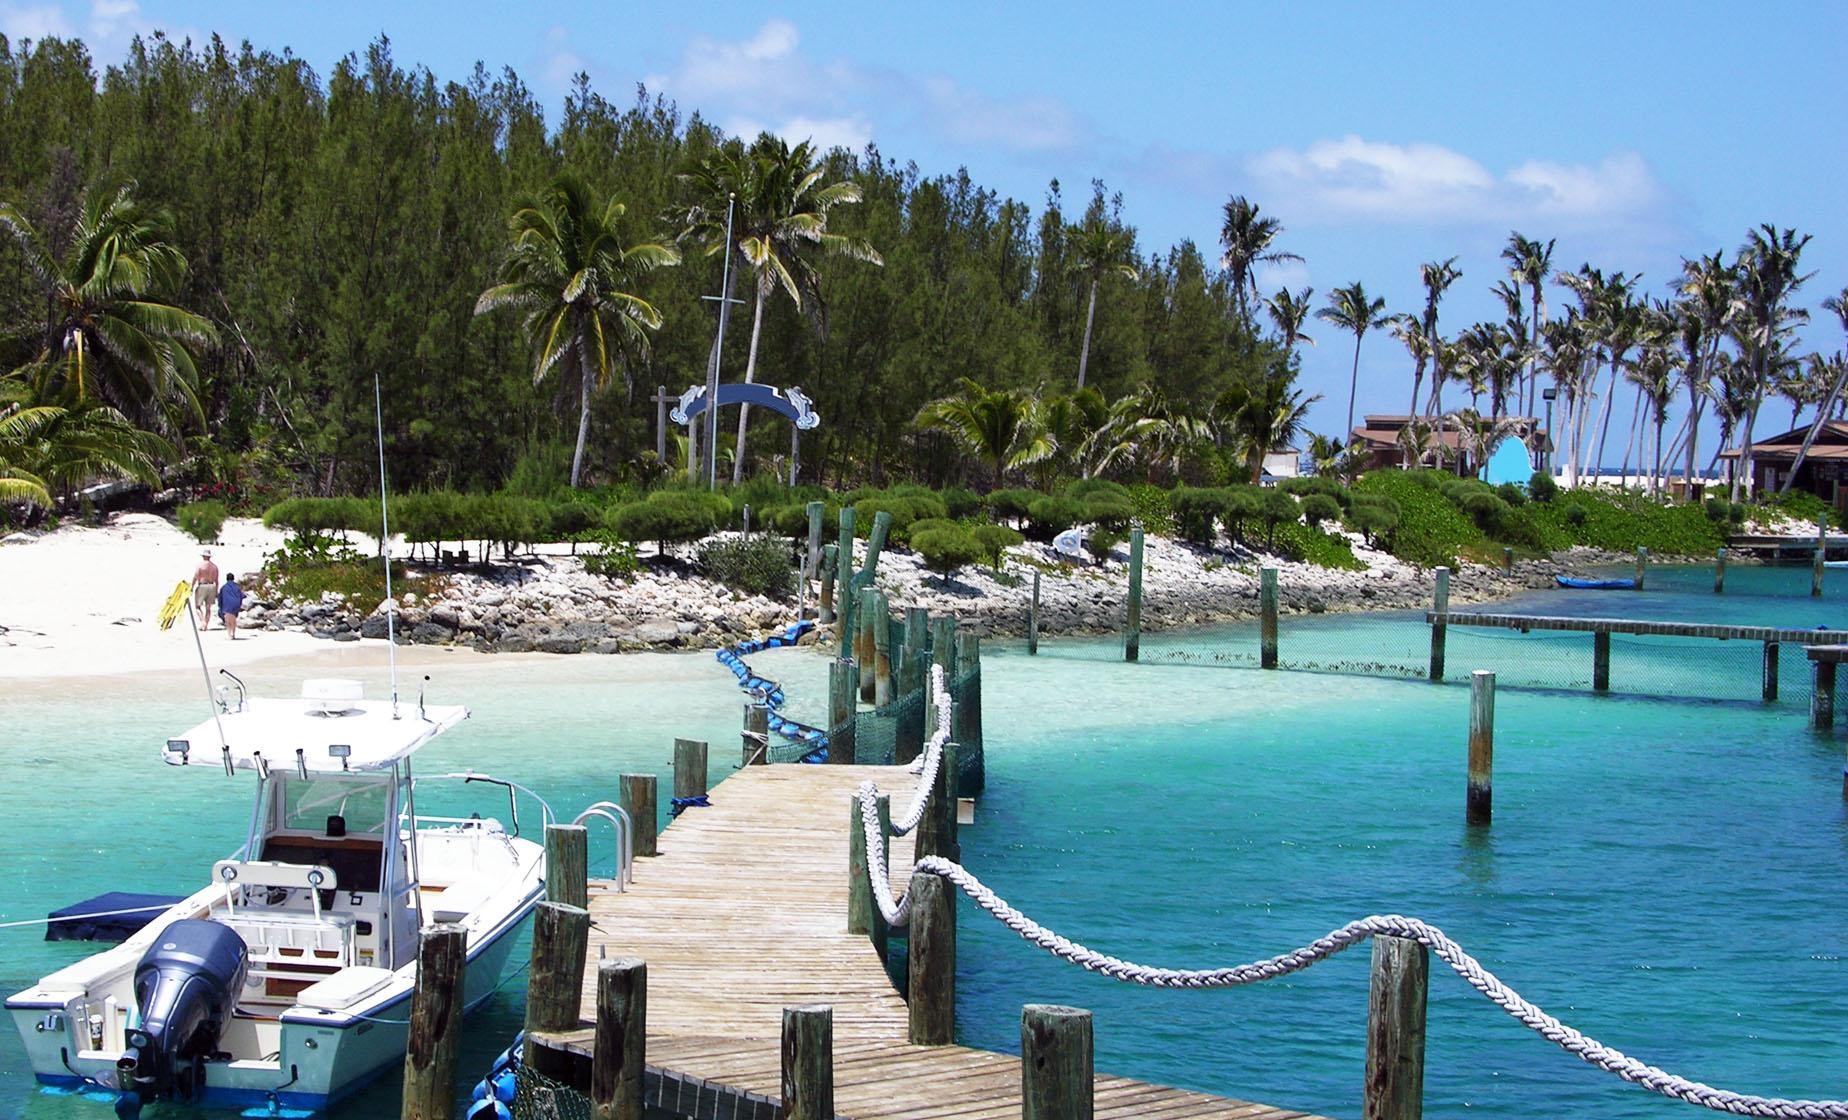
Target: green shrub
541, 471
1718, 509
1800, 505
1317, 484
1374, 515
1276, 507
946, 548
905, 508
1431, 530
1243, 504
1112, 512
958, 502
994, 541
1086, 488
1542, 488
1104, 541
1310, 545
565, 521
1486, 509
1152, 509
614, 557
1318, 508
1196, 510
202, 520
1048, 517
1011, 505
1512, 494
670, 516
752, 564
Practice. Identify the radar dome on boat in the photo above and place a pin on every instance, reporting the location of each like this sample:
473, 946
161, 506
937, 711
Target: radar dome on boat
332, 694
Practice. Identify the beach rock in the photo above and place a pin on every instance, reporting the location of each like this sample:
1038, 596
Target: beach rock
431, 633
346, 636
559, 643
658, 631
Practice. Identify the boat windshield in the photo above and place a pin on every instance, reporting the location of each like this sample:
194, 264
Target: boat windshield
307, 805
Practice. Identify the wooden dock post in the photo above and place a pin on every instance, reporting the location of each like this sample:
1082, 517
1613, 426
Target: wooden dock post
932, 968
936, 829
847, 591
1642, 566
1601, 661
875, 545
843, 707
1821, 558
828, 566
860, 905
968, 729
638, 800
1132, 630
811, 557
1267, 618
1396, 1030
864, 610
555, 984
942, 652
619, 1052
1478, 802
1440, 603
1822, 697
1770, 690
566, 862
436, 1025
690, 768
1507, 561
755, 736
1033, 618
808, 1063
1057, 1075
882, 651
1719, 570
913, 676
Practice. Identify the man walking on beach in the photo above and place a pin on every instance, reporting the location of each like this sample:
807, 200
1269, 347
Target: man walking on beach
205, 588
230, 601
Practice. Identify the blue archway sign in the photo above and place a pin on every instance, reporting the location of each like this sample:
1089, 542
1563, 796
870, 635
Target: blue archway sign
790, 403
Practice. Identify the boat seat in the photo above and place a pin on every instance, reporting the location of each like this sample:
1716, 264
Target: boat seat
455, 903
344, 988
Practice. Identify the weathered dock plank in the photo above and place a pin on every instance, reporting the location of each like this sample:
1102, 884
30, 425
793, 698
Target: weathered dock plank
744, 913
1525, 622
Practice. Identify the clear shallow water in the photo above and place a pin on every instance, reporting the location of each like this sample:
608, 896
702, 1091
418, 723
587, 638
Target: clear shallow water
1663, 875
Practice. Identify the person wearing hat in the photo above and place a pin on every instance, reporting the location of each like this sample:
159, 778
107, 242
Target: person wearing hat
205, 587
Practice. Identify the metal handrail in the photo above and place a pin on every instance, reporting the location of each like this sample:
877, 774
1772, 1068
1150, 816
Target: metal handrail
625, 838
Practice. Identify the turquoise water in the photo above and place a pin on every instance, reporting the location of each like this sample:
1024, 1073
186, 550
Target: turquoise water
1662, 873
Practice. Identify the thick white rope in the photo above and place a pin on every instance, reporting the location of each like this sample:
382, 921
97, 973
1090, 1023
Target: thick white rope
897, 912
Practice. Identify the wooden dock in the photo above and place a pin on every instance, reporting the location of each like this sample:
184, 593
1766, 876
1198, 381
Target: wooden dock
1717, 632
744, 913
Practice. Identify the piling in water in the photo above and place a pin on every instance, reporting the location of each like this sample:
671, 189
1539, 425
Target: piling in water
690, 768
1440, 605
1478, 801
619, 1052
1719, 571
1132, 631
1642, 566
866, 609
1033, 618
1396, 1030
1770, 689
555, 983
1267, 618
825, 612
843, 693
436, 1025
1601, 661
808, 1063
1057, 1081
755, 737
932, 969
1822, 697
847, 592
1508, 561
638, 800
882, 651
913, 674
811, 557
1821, 557
566, 861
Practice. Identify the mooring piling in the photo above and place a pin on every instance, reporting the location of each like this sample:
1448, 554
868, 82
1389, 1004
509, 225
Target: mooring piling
1821, 558
932, 968
566, 863
966, 728
1033, 618
848, 591
1396, 1030
1132, 630
808, 1063
1822, 696
866, 609
690, 768
882, 651
436, 1025
1440, 607
1478, 802
811, 556
829, 564
1601, 661
638, 800
843, 707
1507, 561
619, 1053
755, 737
1057, 1074
1719, 570
1642, 566
1267, 618
1770, 682
913, 679
555, 983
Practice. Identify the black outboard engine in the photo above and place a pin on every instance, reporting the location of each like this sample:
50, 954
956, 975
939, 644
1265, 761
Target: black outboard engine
186, 987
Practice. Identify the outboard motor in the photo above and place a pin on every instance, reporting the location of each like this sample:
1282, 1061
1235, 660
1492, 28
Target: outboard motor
186, 987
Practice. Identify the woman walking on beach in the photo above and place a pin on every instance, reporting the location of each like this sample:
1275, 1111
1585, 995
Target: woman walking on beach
230, 602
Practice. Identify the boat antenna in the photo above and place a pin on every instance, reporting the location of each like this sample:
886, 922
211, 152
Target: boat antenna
211, 696
391, 605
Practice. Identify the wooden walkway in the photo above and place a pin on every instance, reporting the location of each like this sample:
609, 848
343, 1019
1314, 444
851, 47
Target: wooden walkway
744, 913
1526, 622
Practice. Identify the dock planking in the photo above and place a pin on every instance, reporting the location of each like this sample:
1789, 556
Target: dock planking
744, 913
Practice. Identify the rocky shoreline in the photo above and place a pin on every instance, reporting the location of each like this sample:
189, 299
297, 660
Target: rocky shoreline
550, 604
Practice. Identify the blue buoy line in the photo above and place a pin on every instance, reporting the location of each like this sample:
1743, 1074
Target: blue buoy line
732, 657
492, 1098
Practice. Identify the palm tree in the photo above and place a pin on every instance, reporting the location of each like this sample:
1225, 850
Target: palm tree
782, 209
1702, 314
1288, 313
1410, 333
48, 449
1829, 371
1767, 269
1247, 238
1098, 251
1000, 426
1437, 277
1530, 261
570, 271
108, 337
1147, 427
1262, 411
1350, 309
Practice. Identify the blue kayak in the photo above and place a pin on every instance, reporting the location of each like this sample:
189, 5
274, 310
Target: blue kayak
1595, 584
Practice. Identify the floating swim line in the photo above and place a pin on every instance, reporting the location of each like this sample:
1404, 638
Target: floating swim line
771, 693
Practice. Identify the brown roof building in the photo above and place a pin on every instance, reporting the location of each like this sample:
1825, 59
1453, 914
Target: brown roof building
1381, 446
1824, 472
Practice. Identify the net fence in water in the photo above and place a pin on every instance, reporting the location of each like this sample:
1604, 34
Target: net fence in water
1398, 645
538, 1097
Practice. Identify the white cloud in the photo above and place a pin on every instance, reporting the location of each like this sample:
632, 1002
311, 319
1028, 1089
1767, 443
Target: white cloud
1272, 275
766, 82
1353, 179
41, 22
106, 28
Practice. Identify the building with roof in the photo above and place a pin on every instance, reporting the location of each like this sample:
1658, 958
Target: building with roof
1824, 471
1382, 440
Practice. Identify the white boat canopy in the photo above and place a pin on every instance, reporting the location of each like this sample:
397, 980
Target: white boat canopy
330, 731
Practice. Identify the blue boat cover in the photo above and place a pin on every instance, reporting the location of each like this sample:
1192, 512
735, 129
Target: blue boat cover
71, 924
1595, 584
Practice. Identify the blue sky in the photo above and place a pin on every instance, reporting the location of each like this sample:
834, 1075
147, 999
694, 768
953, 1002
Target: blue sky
1382, 137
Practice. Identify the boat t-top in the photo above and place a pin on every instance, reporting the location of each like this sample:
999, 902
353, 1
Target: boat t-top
285, 981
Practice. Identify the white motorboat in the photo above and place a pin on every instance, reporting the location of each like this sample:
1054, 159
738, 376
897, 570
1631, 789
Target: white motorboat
286, 980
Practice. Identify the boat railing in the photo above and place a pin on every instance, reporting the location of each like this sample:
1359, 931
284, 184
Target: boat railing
546, 815
625, 838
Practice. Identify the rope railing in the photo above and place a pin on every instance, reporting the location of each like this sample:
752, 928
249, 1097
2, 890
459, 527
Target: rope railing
897, 913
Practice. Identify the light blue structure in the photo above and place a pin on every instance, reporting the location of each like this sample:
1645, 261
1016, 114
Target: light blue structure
1509, 462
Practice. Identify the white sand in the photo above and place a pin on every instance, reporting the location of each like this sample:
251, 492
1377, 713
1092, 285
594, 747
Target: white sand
82, 601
